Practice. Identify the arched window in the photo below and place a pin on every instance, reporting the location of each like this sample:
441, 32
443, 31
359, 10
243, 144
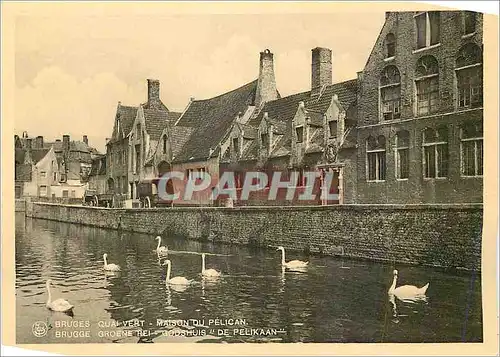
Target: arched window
402, 154
164, 144
469, 71
390, 93
435, 152
427, 84
375, 158
471, 142
390, 45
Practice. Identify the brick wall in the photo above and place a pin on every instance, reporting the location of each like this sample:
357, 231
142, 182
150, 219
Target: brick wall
402, 25
20, 205
455, 188
435, 235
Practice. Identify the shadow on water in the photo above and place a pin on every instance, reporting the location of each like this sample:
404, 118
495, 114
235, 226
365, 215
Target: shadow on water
333, 300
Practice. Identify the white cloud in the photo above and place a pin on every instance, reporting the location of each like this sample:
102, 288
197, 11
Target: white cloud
56, 103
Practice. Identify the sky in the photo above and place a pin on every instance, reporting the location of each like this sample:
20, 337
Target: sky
71, 71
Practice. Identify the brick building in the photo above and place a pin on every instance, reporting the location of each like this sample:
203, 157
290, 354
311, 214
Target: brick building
132, 146
68, 178
35, 168
308, 131
194, 143
420, 111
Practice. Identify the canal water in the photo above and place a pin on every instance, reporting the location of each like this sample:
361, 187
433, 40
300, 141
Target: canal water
335, 300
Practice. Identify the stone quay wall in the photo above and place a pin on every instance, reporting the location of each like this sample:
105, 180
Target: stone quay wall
447, 236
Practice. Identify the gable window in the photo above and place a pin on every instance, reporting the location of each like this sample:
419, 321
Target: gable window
43, 174
299, 131
375, 157
435, 151
164, 150
469, 71
427, 84
189, 174
332, 126
236, 146
469, 22
264, 139
390, 93
471, 142
137, 158
43, 191
402, 154
428, 28
390, 45
138, 131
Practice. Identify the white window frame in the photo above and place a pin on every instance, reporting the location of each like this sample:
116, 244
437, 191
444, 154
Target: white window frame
422, 78
436, 162
397, 161
381, 109
427, 31
377, 166
476, 158
457, 106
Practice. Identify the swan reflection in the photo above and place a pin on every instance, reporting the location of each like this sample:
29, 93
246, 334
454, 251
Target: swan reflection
419, 300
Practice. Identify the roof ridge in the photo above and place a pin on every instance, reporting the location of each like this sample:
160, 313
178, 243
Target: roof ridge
228, 92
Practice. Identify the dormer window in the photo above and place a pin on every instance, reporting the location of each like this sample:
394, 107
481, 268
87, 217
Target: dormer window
164, 144
390, 45
300, 134
332, 125
118, 124
264, 139
427, 28
236, 146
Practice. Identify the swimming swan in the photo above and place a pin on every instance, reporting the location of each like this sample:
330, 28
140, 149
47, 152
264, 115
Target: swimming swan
178, 280
209, 273
109, 267
59, 305
293, 263
406, 291
162, 249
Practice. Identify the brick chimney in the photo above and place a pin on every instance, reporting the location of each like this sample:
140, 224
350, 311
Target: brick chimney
153, 93
27, 155
321, 69
266, 84
39, 142
86, 140
65, 145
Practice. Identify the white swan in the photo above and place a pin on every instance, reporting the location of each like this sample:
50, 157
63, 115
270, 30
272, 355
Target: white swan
293, 263
160, 249
109, 267
209, 273
406, 291
59, 305
178, 280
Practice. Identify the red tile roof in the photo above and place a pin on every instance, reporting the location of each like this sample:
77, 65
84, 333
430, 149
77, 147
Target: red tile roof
211, 119
156, 121
127, 116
